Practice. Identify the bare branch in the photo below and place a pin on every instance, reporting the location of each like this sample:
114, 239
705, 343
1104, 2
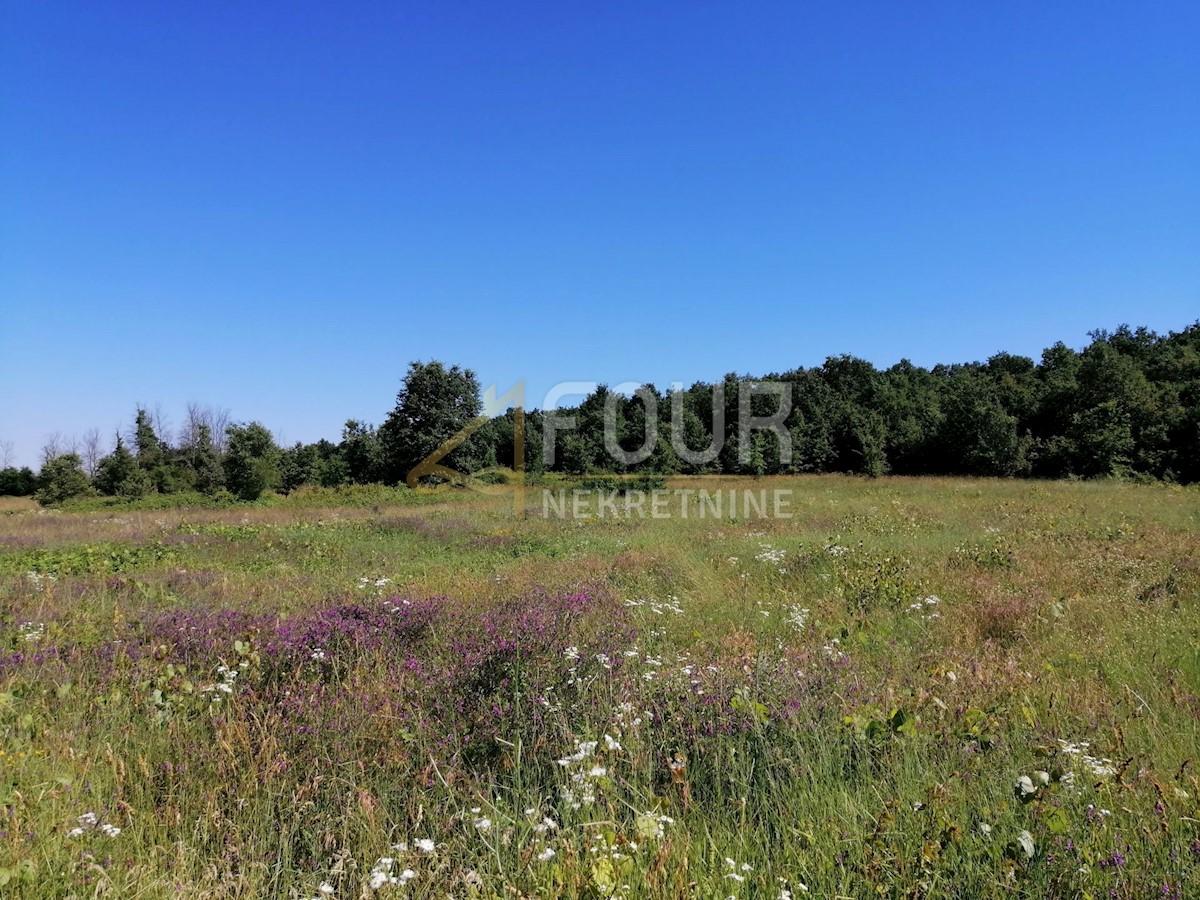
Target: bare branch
161, 423
52, 447
216, 418
93, 451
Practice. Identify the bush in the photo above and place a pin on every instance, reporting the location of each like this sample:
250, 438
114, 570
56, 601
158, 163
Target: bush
61, 479
17, 482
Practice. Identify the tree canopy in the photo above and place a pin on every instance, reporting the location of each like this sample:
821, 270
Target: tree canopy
1127, 404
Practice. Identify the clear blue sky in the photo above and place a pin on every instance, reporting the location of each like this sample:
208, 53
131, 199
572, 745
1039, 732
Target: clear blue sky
274, 207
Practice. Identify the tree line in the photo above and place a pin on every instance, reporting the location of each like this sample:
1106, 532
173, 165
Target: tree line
1127, 405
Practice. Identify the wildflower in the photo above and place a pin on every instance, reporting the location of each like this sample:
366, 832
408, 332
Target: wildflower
769, 554
75, 832
1100, 767
425, 845
110, 830
571, 653
611, 743
985, 829
583, 750
381, 874
41, 582
546, 855
88, 818
1092, 813
1024, 787
483, 823
797, 617
832, 650
325, 888
1043, 778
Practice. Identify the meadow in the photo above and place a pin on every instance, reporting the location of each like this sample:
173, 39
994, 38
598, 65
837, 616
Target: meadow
923, 687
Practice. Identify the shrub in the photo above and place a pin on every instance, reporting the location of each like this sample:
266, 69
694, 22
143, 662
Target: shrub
61, 479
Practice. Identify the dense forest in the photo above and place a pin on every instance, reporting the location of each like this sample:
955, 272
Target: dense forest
1127, 405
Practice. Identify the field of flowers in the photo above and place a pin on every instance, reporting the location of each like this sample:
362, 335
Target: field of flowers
913, 688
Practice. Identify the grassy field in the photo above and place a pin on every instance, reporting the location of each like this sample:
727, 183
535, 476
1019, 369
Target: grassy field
912, 688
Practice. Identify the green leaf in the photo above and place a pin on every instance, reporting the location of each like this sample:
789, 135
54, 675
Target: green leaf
1057, 822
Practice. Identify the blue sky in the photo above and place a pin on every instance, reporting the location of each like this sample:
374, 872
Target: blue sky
275, 207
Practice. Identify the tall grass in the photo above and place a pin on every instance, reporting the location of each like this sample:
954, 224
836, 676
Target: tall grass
914, 688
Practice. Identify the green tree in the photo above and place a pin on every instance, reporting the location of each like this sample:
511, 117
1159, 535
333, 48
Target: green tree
151, 451
362, 452
434, 404
62, 477
301, 464
208, 475
977, 436
251, 461
119, 474
911, 407
1114, 407
1058, 374
16, 482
